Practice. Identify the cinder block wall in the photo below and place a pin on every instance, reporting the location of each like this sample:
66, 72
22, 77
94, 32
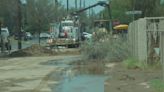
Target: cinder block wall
141, 40
137, 39
137, 35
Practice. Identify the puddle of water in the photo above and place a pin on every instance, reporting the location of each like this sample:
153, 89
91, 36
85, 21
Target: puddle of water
73, 79
64, 63
82, 83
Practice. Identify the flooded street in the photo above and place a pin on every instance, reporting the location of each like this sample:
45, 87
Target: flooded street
48, 74
73, 80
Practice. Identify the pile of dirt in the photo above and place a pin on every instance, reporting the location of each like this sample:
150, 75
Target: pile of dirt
34, 50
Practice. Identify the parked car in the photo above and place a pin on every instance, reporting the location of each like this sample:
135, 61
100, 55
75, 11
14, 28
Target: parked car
28, 36
5, 31
87, 35
44, 35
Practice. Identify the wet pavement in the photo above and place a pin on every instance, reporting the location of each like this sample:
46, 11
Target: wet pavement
71, 80
81, 83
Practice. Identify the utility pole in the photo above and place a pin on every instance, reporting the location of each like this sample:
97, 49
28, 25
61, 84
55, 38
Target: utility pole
110, 17
80, 4
134, 2
84, 3
67, 6
19, 28
75, 4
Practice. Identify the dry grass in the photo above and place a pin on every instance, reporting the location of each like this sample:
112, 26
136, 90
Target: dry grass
106, 49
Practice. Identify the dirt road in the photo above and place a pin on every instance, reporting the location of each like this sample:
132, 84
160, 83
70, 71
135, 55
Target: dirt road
29, 74
54, 74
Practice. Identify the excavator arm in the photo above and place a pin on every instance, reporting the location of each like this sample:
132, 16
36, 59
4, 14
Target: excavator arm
100, 3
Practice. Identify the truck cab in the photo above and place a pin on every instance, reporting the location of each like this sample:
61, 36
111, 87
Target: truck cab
66, 33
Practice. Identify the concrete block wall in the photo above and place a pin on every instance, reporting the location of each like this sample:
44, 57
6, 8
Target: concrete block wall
131, 38
137, 35
141, 40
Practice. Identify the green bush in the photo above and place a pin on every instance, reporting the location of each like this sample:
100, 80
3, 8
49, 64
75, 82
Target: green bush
132, 63
158, 85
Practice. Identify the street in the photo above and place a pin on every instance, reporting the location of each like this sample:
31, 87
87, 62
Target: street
28, 43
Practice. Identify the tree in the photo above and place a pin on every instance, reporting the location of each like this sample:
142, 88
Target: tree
118, 9
41, 13
8, 13
149, 8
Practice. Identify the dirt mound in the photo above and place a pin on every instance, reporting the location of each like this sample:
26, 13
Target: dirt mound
34, 50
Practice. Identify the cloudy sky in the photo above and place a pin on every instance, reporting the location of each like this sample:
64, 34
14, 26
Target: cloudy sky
88, 2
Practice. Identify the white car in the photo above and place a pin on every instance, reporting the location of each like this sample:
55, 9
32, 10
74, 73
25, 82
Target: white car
87, 35
28, 36
5, 32
44, 35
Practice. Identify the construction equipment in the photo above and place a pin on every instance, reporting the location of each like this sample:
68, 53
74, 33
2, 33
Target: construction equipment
100, 3
66, 33
122, 28
69, 31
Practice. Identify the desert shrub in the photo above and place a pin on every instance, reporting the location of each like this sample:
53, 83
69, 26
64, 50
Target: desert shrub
106, 48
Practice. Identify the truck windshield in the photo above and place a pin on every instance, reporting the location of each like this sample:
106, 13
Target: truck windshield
67, 24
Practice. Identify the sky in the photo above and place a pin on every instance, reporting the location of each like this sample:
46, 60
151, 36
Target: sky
162, 1
88, 2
